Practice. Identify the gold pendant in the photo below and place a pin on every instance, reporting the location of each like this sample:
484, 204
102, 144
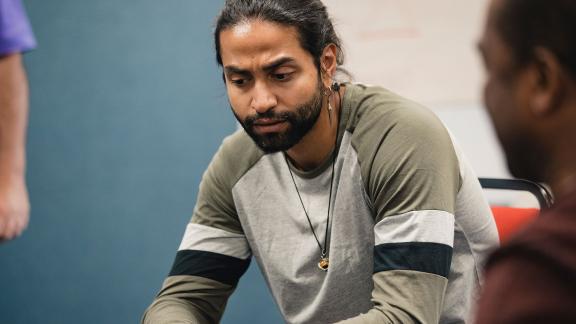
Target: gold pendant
323, 264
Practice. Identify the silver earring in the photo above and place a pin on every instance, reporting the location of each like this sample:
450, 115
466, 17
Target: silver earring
328, 94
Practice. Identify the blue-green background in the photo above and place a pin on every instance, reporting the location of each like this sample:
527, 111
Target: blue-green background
127, 108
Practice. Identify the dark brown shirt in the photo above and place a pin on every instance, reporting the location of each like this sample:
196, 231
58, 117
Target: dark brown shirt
533, 278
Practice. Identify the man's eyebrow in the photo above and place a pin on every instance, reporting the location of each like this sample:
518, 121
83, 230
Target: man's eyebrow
232, 69
277, 63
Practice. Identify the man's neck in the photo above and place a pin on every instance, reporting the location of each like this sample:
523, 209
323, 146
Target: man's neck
561, 169
563, 180
318, 143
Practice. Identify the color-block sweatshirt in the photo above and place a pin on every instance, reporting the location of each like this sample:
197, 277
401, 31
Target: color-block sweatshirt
409, 225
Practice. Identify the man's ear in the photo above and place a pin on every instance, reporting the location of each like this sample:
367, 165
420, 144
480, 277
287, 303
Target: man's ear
547, 82
328, 64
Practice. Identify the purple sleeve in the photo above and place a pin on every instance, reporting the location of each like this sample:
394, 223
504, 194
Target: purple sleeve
15, 31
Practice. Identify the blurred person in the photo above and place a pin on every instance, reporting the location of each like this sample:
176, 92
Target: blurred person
353, 200
529, 51
15, 37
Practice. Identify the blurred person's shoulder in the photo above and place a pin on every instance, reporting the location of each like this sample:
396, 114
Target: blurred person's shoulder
550, 241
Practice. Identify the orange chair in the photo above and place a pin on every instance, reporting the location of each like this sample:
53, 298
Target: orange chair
510, 219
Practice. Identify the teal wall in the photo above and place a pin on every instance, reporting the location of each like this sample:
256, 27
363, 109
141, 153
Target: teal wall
127, 108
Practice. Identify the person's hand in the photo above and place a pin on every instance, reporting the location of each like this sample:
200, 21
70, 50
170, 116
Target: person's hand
14, 207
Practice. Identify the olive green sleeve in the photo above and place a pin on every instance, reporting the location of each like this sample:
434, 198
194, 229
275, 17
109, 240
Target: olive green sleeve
411, 176
214, 252
404, 297
188, 299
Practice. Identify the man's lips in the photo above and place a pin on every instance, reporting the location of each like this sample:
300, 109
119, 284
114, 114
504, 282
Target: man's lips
269, 125
268, 121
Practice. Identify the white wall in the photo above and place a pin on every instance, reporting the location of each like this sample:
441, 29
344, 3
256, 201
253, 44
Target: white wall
426, 51
473, 131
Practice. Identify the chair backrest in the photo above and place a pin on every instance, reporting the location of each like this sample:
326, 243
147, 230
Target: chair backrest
510, 219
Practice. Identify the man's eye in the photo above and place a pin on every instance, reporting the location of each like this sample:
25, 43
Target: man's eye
238, 81
281, 76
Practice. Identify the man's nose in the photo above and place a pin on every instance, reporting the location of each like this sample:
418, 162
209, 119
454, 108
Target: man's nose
263, 99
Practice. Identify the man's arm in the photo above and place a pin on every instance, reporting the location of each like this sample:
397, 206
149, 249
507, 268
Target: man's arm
413, 299
205, 272
412, 257
188, 300
212, 256
412, 179
14, 204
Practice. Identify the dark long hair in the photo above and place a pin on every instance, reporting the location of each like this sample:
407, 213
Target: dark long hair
309, 17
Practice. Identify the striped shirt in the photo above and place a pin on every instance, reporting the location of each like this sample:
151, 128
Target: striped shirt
410, 228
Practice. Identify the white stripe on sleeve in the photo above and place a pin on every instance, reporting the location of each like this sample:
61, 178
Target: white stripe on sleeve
210, 239
431, 226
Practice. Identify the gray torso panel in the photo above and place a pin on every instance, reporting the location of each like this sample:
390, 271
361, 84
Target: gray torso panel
282, 242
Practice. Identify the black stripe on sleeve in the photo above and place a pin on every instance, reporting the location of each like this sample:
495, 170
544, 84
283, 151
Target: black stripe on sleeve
417, 256
215, 266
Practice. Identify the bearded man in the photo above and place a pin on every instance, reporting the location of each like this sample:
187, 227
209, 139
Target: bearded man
354, 201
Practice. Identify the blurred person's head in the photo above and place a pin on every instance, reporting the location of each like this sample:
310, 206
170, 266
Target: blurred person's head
279, 58
529, 51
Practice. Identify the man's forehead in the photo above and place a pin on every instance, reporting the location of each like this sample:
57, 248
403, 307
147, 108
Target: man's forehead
242, 29
255, 31
259, 43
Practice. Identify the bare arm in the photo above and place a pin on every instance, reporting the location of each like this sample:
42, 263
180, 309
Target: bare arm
14, 204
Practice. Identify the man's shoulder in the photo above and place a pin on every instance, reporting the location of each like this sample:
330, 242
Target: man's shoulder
377, 100
377, 115
236, 155
556, 226
374, 109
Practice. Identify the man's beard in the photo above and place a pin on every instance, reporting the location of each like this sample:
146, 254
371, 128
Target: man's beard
299, 122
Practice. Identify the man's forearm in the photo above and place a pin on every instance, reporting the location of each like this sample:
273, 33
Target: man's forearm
169, 310
404, 297
13, 116
188, 299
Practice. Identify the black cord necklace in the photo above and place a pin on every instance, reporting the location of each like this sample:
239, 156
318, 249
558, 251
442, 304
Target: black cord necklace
324, 260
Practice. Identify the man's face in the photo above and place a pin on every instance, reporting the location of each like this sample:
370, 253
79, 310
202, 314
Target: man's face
272, 83
506, 99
